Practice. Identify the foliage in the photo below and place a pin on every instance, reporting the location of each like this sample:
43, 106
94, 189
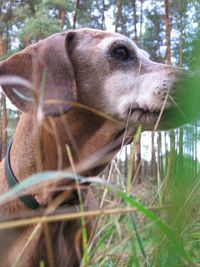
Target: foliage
162, 228
96, 10
38, 27
153, 37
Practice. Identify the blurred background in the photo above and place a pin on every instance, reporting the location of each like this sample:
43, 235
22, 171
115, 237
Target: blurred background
160, 169
167, 29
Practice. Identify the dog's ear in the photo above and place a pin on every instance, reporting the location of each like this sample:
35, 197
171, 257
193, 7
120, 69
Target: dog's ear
48, 67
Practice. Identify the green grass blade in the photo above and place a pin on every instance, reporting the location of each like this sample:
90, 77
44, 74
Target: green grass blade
163, 227
139, 239
37, 179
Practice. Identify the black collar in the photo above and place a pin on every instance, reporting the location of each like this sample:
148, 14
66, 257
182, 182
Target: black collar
28, 200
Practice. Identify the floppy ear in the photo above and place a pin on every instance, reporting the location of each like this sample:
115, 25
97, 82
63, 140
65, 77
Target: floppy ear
48, 66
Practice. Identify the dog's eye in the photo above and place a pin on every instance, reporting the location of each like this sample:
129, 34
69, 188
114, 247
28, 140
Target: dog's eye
121, 53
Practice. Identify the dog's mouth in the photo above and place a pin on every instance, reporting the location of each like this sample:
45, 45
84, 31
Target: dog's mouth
163, 119
142, 111
143, 116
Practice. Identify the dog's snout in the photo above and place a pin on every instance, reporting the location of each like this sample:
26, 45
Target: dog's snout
162, 89
166, 85
171, 74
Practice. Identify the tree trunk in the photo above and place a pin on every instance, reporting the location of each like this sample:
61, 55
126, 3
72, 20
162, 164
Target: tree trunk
1, 44
101, 9
26, 41
62, 18
159, 154
144, 169
153, 156
76, 14
31, 7
181, 12
168, 32
141, 21
3, 126
135, 21
126, 163
195, 151
181, 48
103, 25
172, 141
138, 162
180, 142
119, 14
166, 151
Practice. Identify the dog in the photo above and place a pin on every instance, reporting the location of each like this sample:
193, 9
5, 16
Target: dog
85, 85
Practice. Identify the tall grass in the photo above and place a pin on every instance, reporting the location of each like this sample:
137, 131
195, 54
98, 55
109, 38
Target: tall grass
161, 232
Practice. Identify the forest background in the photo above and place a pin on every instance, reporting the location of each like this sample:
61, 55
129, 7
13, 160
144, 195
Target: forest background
168, 30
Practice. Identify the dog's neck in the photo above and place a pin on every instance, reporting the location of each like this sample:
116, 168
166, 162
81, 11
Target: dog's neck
85, 134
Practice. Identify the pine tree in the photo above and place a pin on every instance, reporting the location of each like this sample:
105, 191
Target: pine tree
76, 13
61, 10
92, 13
38, 25
168, 31
153, 36
135, 21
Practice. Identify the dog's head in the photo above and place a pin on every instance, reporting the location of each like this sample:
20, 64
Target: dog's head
105, 71
114, 75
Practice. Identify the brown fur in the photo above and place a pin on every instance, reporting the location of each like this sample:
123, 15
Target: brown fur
75, 70
23, 164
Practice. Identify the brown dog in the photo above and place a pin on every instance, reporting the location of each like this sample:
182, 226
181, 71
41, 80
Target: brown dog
102, 71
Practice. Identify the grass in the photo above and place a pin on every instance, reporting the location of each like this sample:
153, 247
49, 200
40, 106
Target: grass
162, 230
162, 237
130, 233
